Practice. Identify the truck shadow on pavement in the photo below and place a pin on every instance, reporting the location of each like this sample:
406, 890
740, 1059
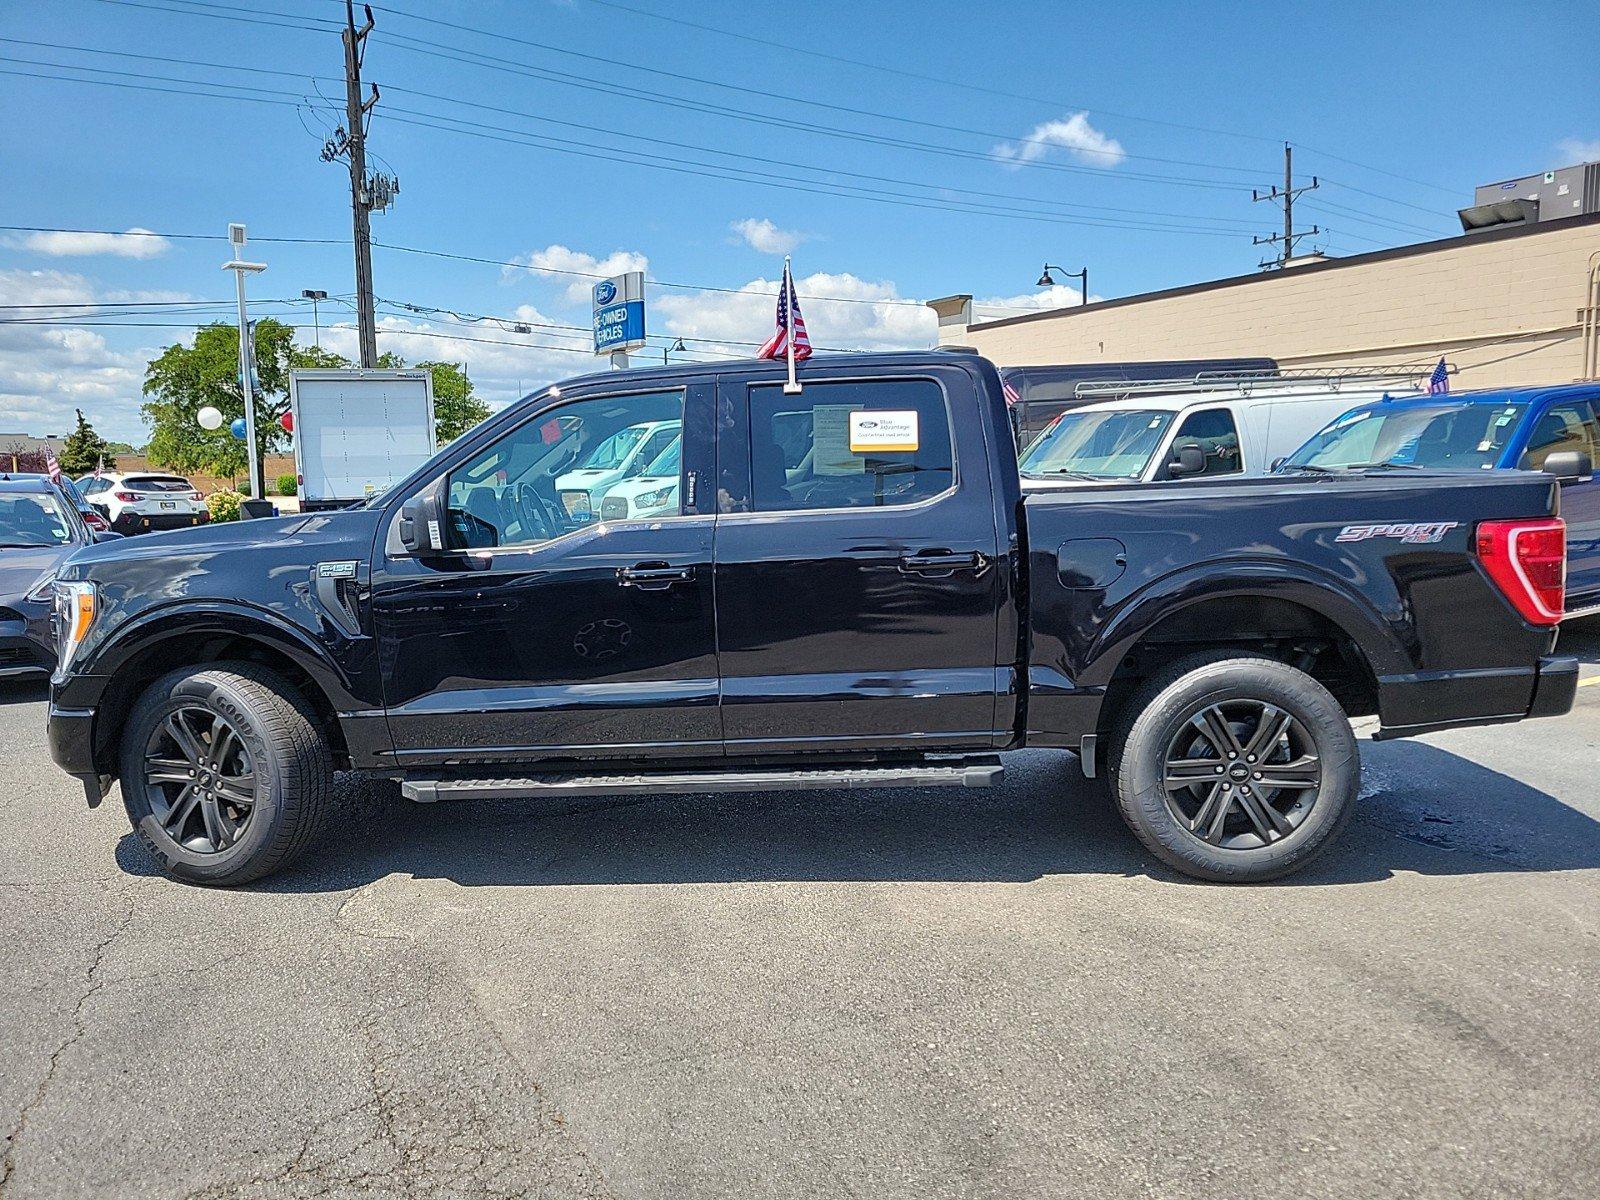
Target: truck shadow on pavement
1423, 810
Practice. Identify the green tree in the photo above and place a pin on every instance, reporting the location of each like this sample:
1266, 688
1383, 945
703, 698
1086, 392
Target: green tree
455, 408
85, 449
186, 378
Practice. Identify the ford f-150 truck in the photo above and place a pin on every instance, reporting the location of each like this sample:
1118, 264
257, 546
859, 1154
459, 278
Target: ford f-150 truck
850, 590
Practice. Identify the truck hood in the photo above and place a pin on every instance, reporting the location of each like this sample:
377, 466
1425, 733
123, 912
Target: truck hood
21, 568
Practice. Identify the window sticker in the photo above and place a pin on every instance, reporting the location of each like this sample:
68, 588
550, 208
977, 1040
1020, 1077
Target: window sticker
830, 441
891, 432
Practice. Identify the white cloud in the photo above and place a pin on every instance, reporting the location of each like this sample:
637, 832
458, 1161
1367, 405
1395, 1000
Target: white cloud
1074, 134
1577, 150
867, 315
1057, 295
46, 371
558, 258
136, 243
764, 237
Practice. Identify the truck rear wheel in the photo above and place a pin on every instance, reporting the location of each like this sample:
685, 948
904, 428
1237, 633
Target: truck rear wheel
1235, 769
226, 774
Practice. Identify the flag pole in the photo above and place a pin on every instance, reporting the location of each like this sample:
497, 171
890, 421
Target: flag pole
793, 385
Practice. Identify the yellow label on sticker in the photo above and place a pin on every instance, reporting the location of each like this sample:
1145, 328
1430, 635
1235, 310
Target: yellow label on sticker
883, 432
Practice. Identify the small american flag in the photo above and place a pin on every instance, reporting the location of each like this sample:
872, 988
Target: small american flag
1439, 381
99, 467
1009, 389
777, 346
52, 466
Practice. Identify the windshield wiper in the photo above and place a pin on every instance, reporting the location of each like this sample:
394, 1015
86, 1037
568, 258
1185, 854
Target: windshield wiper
1312, 468
1061, 471
1389, 466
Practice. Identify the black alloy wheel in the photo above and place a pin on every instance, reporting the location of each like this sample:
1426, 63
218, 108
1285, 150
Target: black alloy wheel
200, 779
1241, 774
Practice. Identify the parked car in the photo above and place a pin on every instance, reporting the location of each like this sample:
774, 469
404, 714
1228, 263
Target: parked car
851, 592
1181, 431
650, 494
1040, 394
1550, 429
92, 516
140, 502
624, 454
39, 528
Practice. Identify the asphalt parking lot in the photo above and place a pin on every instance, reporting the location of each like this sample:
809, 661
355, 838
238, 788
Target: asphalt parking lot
885, 993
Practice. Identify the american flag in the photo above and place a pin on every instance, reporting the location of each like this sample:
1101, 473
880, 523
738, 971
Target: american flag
51, 465
777, 346
1439, 381
1011, 394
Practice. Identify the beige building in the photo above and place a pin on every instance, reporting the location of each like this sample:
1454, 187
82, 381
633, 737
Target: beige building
1517, 305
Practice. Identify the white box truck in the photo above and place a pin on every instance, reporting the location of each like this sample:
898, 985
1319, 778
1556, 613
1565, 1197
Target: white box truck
357, 433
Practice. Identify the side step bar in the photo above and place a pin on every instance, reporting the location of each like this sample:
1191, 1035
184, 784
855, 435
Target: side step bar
970, 772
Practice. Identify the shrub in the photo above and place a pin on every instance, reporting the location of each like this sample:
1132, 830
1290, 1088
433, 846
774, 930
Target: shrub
287, 485
223, 506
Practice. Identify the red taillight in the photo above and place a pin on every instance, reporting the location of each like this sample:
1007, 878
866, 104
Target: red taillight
125, 497
1528, 562
195, 495
95, 521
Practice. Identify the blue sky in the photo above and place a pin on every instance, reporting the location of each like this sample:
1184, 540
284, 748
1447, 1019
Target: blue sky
1123, 137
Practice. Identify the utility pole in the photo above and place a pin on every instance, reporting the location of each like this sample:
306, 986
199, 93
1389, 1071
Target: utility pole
356, 111
1287, 239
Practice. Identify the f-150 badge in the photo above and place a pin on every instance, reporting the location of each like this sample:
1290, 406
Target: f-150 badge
1416, 532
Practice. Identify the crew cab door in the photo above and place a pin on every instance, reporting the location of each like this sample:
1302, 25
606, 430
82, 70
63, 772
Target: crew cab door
541, 632
1571, 424
858, 566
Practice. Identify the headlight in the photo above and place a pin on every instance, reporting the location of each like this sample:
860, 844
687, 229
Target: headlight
43, 592
75, 613
656, 499
614, 508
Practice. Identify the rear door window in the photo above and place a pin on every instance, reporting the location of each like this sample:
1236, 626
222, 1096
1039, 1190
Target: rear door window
850, 444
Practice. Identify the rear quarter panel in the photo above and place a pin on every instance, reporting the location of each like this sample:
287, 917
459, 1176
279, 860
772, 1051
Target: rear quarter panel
1416, 610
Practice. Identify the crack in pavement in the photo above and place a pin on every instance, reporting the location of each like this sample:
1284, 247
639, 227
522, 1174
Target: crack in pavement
93, 982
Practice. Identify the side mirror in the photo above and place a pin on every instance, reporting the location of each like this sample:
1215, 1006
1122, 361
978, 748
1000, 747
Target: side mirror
422, 521
1279, 461
250, 510
1187, 459
105, 535
1569, 466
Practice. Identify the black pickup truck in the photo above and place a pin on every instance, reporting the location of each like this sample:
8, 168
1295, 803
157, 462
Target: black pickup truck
840, 585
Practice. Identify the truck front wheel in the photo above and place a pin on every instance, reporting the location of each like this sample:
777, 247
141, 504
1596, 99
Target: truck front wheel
226, 773
1235, 768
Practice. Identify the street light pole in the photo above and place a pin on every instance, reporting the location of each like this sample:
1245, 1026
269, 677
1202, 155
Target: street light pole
676, 345
240, 269
1083, 276
316, 317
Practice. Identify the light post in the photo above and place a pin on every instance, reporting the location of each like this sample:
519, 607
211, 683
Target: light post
240, 269
316, 320
1083, 275
672, 349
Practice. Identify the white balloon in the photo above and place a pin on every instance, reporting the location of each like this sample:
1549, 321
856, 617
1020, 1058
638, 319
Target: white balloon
209, 417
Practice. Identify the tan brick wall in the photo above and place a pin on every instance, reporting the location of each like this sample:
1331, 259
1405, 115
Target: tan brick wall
1503, 311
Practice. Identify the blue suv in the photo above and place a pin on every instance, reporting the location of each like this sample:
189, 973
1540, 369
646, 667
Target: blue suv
1552, 429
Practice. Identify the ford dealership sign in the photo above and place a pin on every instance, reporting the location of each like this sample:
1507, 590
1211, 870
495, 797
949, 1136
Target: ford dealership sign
619, 313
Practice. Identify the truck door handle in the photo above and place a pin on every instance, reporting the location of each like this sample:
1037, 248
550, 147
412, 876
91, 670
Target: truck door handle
941, 562
653, 576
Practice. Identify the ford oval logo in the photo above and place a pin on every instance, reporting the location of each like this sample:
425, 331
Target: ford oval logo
605, 292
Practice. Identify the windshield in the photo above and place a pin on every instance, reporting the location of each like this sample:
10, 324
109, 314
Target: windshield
667, 462
1101, 445
614, 450
1442, 436
33, 521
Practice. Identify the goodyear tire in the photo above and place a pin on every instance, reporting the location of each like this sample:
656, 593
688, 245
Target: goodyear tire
226, 773
1235, 769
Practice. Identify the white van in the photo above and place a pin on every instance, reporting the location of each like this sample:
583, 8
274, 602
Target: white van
624, 454
652, 493
1191, 431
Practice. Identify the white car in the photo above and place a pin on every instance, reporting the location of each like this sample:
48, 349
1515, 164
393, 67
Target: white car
624, 454
651, 494
143, 501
